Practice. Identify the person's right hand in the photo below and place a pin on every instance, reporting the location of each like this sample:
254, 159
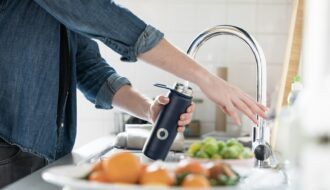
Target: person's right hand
231, 99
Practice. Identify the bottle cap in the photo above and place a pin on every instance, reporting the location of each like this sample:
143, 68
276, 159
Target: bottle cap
179, 87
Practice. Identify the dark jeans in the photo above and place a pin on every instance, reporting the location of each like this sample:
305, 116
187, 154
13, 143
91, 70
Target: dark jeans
15, 164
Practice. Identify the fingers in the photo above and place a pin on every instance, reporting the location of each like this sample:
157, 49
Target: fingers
255, 107
232, 112
191, 108
185, 118
248, 98
246, 110
181, 129
162, 100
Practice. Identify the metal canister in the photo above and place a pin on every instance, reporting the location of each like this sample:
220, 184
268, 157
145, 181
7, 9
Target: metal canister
164, 132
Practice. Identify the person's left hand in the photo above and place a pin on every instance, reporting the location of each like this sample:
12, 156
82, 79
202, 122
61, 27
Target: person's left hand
161, 101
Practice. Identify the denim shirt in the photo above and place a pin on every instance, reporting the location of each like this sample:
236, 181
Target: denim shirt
29, 66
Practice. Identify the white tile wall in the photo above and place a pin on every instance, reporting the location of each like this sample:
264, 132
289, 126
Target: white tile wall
181, 21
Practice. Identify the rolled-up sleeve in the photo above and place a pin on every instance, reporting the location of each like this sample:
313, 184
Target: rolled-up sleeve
96, 79
108, 89
115, 26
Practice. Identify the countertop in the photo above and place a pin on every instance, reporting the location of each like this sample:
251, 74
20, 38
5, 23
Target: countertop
82, 155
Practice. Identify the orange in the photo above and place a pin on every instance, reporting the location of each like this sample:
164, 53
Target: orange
122, 167
97, 166
191, 166
143, 168
98, 176
196, 180
156, 175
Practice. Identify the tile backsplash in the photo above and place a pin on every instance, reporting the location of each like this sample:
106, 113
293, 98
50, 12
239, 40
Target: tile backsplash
181, 20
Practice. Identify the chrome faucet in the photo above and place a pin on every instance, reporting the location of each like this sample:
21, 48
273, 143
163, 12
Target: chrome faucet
260, 133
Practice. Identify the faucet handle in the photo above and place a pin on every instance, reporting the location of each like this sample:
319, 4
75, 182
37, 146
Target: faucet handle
262, 152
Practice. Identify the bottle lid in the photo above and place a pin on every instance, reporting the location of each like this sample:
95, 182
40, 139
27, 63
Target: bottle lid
179, 87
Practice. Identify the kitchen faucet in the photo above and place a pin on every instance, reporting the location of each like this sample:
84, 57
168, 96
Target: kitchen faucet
260, 133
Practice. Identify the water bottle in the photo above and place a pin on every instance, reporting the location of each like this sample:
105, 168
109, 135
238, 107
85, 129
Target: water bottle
164, 132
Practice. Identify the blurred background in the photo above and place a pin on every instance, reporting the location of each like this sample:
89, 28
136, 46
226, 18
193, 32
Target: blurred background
181, 21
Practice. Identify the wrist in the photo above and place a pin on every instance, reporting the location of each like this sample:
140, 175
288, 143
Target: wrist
203, 78
147, 112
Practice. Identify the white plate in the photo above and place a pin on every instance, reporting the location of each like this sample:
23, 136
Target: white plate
244, 163
71, 176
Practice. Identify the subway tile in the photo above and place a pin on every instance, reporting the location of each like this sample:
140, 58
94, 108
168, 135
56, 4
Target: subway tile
181, 40
242, 15
274, 73
207, 126
274, 47
205, 111
238, 52
195, 17
272, 18
243, 76
213, 54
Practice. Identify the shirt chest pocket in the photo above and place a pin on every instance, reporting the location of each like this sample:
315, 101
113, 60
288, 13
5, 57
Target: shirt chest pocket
3, 4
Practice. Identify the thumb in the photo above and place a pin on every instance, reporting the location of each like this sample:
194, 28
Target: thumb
162, 100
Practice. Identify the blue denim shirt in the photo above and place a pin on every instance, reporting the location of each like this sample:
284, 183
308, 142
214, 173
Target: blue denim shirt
29, 65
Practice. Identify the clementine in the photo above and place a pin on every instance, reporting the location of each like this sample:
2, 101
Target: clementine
97, 166
156, 175
196, 181
122, 167
98, 176
191, 166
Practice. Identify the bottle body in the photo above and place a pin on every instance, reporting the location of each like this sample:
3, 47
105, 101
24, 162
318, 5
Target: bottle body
164, 132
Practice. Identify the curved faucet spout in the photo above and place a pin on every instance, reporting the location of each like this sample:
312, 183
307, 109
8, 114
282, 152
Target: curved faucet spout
247, 38
260, 134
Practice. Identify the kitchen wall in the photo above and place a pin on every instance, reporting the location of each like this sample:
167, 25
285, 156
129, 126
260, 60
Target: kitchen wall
181, 20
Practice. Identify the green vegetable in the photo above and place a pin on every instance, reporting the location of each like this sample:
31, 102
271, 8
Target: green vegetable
232, 142
222, 179
180, 178
211, 148
221, 146
226, 180
241, 147
247, 153
232, 181
213, 182
209, 140
222, 152
201, 154
194, 148
232, 152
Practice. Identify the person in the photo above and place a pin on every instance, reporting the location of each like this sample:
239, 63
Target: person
46, 52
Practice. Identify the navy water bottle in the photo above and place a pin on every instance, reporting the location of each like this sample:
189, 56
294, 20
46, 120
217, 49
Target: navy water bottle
164, 132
